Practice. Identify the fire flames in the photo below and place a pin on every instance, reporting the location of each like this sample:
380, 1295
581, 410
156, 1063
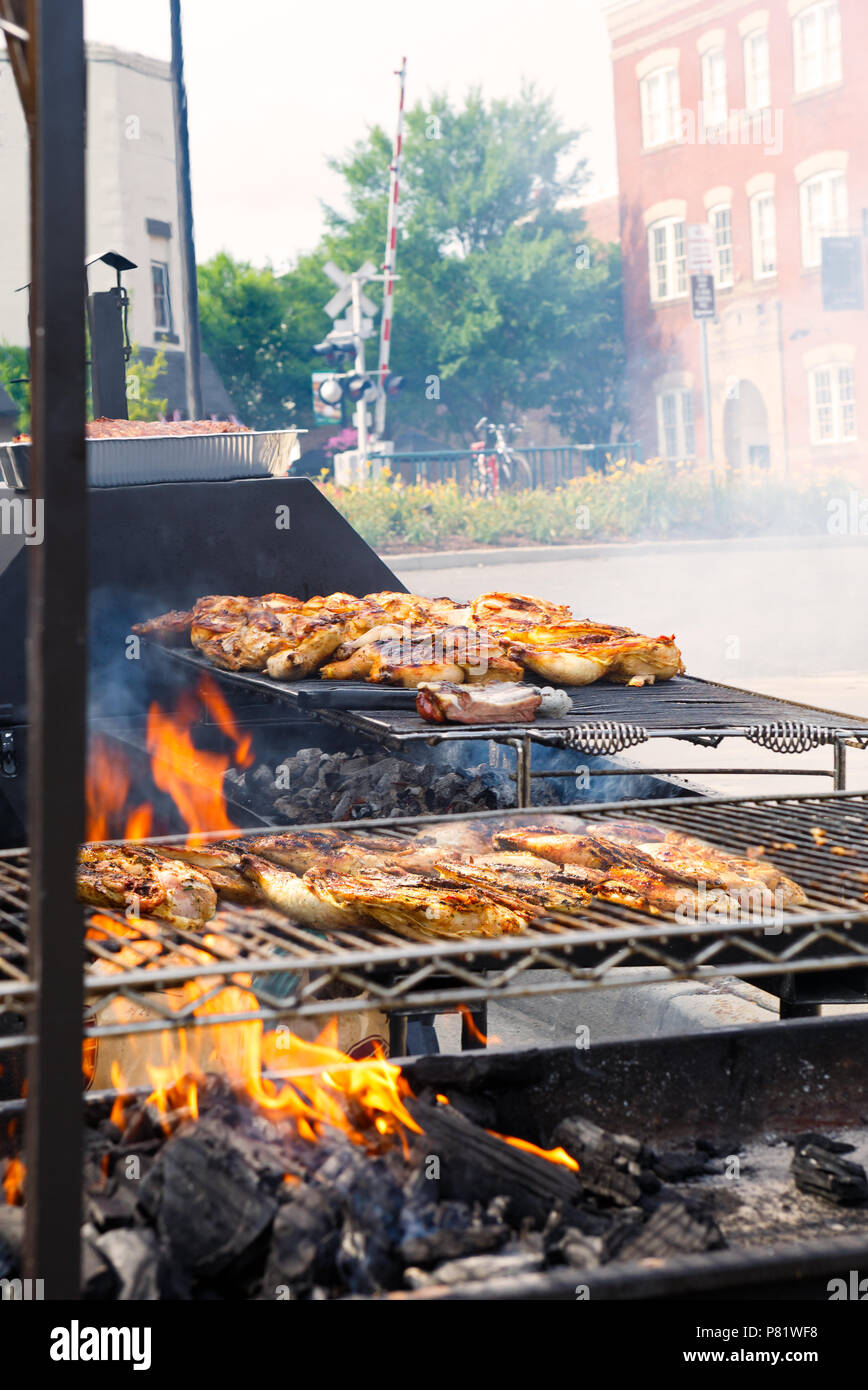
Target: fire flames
313, 1083
191, 776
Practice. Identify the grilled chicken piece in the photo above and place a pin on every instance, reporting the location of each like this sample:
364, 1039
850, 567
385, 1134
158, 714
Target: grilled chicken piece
145, 883
439, 701
458, 837
565, 665
735, 870
505, 607
330, 849
397, 662
423, 908
221, 865
644, 660
313, 640
525, 875
170, 629
286, 891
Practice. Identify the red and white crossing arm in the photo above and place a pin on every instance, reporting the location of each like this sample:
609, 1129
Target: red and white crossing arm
389, 260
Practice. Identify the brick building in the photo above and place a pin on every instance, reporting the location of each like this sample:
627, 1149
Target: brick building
750, 115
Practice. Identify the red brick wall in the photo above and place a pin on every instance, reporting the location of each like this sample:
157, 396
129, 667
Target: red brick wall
663, 339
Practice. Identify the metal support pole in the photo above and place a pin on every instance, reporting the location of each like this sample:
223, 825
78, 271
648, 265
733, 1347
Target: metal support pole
361, 405
706, 393
192, 346
840, 773
57, 651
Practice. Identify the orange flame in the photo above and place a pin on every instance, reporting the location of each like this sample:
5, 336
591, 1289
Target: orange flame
107, 789
192, 777
553, 1155
13, 1182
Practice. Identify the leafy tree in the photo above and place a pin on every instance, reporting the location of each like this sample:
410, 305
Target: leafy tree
503, 305
142, 380
14, 374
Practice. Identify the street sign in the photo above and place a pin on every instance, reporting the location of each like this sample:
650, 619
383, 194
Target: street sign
702, 301
344, 296
842, 273
700, 248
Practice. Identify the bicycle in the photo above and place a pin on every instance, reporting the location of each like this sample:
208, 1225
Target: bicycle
503, 466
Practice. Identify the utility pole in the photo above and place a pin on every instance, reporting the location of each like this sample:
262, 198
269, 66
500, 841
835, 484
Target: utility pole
192, 348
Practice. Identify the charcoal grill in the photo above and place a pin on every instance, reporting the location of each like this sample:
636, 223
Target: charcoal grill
824, 941
742, 1086
604, 719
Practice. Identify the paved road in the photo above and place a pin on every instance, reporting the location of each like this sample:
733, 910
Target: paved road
761, 611
789, 620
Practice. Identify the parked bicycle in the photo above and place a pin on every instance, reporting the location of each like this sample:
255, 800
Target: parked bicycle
498, 465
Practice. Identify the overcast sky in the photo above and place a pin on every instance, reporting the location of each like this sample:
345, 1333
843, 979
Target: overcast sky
276, 87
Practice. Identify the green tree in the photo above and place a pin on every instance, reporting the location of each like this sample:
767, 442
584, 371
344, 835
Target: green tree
14, 374
142, 381
504, 303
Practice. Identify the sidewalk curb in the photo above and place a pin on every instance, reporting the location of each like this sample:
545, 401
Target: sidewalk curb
602, 550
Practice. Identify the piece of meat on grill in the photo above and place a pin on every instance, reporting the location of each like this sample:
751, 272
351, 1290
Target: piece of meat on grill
442, 701
422, 908
503, 608
145, 883
288, 892
169, 629
530, 878
329, 848
398, 662
313, 641
221, 865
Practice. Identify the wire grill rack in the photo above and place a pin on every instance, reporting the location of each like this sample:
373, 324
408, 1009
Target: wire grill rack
278, 969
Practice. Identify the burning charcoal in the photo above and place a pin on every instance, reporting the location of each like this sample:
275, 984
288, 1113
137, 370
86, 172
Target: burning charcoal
817, 1168
134, 1257
824, 1141
573, 1247
436, 1231
674, 1166
98, 1278
476, 1268
476, 1166
613, 1166
11, 1240
361, 811
303, 1242
112, 1208
675, 1227
367, 1257
206, 1200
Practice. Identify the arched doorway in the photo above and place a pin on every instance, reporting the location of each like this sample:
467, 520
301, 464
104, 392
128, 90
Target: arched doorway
745, 427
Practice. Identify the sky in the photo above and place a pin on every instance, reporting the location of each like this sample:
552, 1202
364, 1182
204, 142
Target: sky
277, 87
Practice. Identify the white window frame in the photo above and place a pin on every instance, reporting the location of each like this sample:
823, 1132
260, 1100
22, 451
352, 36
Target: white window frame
714, 108
674, 264
761, 236
833, 220
817, 47
725, 279
163, 268
836, 379
660, 126
681, 424
757, 85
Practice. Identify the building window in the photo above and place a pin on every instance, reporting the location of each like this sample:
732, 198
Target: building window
675, 434
833, 404
713, 88
162, 302
757, 73
667, 252
721, 222
817, 46
659, 98
824, 213
763, 235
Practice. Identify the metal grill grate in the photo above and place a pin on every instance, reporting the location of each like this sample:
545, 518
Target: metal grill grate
290, 970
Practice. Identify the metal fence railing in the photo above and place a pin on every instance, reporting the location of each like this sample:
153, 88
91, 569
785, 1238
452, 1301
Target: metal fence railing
551, 465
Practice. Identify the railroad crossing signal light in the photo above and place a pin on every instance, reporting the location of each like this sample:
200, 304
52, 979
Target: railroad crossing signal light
360, 388
334, 354
330, 391
392, 384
